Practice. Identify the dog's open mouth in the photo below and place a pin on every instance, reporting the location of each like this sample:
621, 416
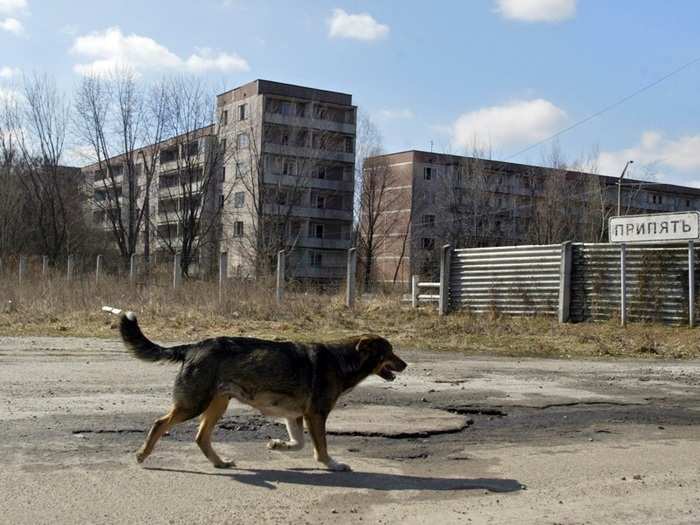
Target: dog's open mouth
387, 373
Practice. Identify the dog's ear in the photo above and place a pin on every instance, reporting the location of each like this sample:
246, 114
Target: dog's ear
365, 344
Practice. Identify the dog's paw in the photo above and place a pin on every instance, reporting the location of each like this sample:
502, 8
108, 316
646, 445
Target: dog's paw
225, 464
335, 466
276, 444
141, 457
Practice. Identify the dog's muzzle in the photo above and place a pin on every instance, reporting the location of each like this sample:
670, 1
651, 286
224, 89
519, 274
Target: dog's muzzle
395, 365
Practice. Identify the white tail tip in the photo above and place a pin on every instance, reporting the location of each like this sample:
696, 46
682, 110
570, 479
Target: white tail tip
109, 309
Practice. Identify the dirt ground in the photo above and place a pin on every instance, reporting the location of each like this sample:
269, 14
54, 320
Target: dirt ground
541, 441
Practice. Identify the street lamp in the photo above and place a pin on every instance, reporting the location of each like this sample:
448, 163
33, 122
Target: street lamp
619, 186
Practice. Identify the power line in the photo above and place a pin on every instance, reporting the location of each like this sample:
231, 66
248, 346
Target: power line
607, 108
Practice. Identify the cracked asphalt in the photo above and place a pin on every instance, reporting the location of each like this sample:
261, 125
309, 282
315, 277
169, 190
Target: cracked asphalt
513, 441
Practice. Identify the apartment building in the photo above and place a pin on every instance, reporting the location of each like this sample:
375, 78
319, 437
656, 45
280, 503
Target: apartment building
289, 167
274, 172
432, 199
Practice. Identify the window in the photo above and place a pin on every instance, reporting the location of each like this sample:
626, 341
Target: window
191, 149
428, 243
242, 111
429, 221
223, 145
301, 109
238, 199
318, 201
224, 117
321, 173
238, 229
289, 167
168, 155
285, 107
316, 230
349, 146
221, 201
223, 173
687, 203
316, 259
242, 140
281, 198
427, 173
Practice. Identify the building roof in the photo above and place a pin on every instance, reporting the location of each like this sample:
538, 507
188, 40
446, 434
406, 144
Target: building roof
423, 156
270, 87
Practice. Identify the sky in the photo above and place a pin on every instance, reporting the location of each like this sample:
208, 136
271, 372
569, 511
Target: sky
496, 76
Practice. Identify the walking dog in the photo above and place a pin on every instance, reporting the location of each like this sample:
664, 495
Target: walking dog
295, 381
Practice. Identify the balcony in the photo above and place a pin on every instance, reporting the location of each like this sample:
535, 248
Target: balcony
312, 213
308, 122
324, 244
177, 190
309, 182
311, 153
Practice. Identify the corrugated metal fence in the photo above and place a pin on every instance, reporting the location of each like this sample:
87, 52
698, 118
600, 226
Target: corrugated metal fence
656, 276
512, 280
578, 281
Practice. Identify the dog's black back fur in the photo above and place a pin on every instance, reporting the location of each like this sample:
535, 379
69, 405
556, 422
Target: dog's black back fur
313, 373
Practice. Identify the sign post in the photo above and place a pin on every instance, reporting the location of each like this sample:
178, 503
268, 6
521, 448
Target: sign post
654, 228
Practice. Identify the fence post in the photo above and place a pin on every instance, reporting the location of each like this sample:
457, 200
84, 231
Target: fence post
22, 268
132, 268
445, 254
69, 268
350, 278
44, 266
177, 271
414, 291
691, 284
223, 274
280, 276
98, 269
623, 286
565, 282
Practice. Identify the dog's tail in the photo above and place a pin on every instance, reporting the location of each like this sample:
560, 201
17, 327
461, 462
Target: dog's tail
139, 345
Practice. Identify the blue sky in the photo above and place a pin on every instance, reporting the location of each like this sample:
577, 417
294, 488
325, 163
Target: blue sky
502, 74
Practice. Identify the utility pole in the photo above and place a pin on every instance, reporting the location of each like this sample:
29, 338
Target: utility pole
619, 187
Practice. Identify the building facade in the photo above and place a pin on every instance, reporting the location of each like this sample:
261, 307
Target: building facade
430, 199
274, 172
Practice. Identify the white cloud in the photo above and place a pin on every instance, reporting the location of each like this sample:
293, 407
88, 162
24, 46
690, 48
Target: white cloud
12, 25
508, 125
208, 60
8, 72
9, 7
396, 114
111, 49
361, 26
656, 153
537, 10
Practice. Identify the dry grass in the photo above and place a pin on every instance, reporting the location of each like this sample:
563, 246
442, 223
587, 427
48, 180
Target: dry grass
56, 307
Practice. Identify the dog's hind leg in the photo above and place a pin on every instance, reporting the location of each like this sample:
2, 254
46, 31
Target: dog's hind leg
295, 429
317, 429
211, 415
178, 414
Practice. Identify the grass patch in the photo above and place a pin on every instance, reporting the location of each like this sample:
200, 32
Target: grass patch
54, 307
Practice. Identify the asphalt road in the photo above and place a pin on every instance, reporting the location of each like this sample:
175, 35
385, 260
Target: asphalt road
522, 441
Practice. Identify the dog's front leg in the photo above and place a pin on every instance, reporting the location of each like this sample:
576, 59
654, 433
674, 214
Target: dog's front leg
317, 429
295, 429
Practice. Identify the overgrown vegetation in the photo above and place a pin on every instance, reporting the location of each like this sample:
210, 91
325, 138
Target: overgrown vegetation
59, 308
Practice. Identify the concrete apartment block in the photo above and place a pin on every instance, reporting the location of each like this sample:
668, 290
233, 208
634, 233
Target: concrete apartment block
286, 156
430, 195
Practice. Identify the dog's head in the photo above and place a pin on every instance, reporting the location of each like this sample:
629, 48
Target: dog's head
379, 352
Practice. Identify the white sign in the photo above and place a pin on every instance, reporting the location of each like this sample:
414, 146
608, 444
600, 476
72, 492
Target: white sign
683, 226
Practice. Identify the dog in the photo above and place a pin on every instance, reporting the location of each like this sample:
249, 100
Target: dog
300, 382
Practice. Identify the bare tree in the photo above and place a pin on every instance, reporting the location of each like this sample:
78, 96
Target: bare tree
55, 199
380, 225
191, 196
116, 117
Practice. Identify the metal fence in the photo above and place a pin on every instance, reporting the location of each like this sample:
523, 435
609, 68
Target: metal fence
517, 280
656, 282
576, 281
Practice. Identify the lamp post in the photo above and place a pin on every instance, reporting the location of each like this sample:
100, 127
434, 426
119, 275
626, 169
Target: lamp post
619, 186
